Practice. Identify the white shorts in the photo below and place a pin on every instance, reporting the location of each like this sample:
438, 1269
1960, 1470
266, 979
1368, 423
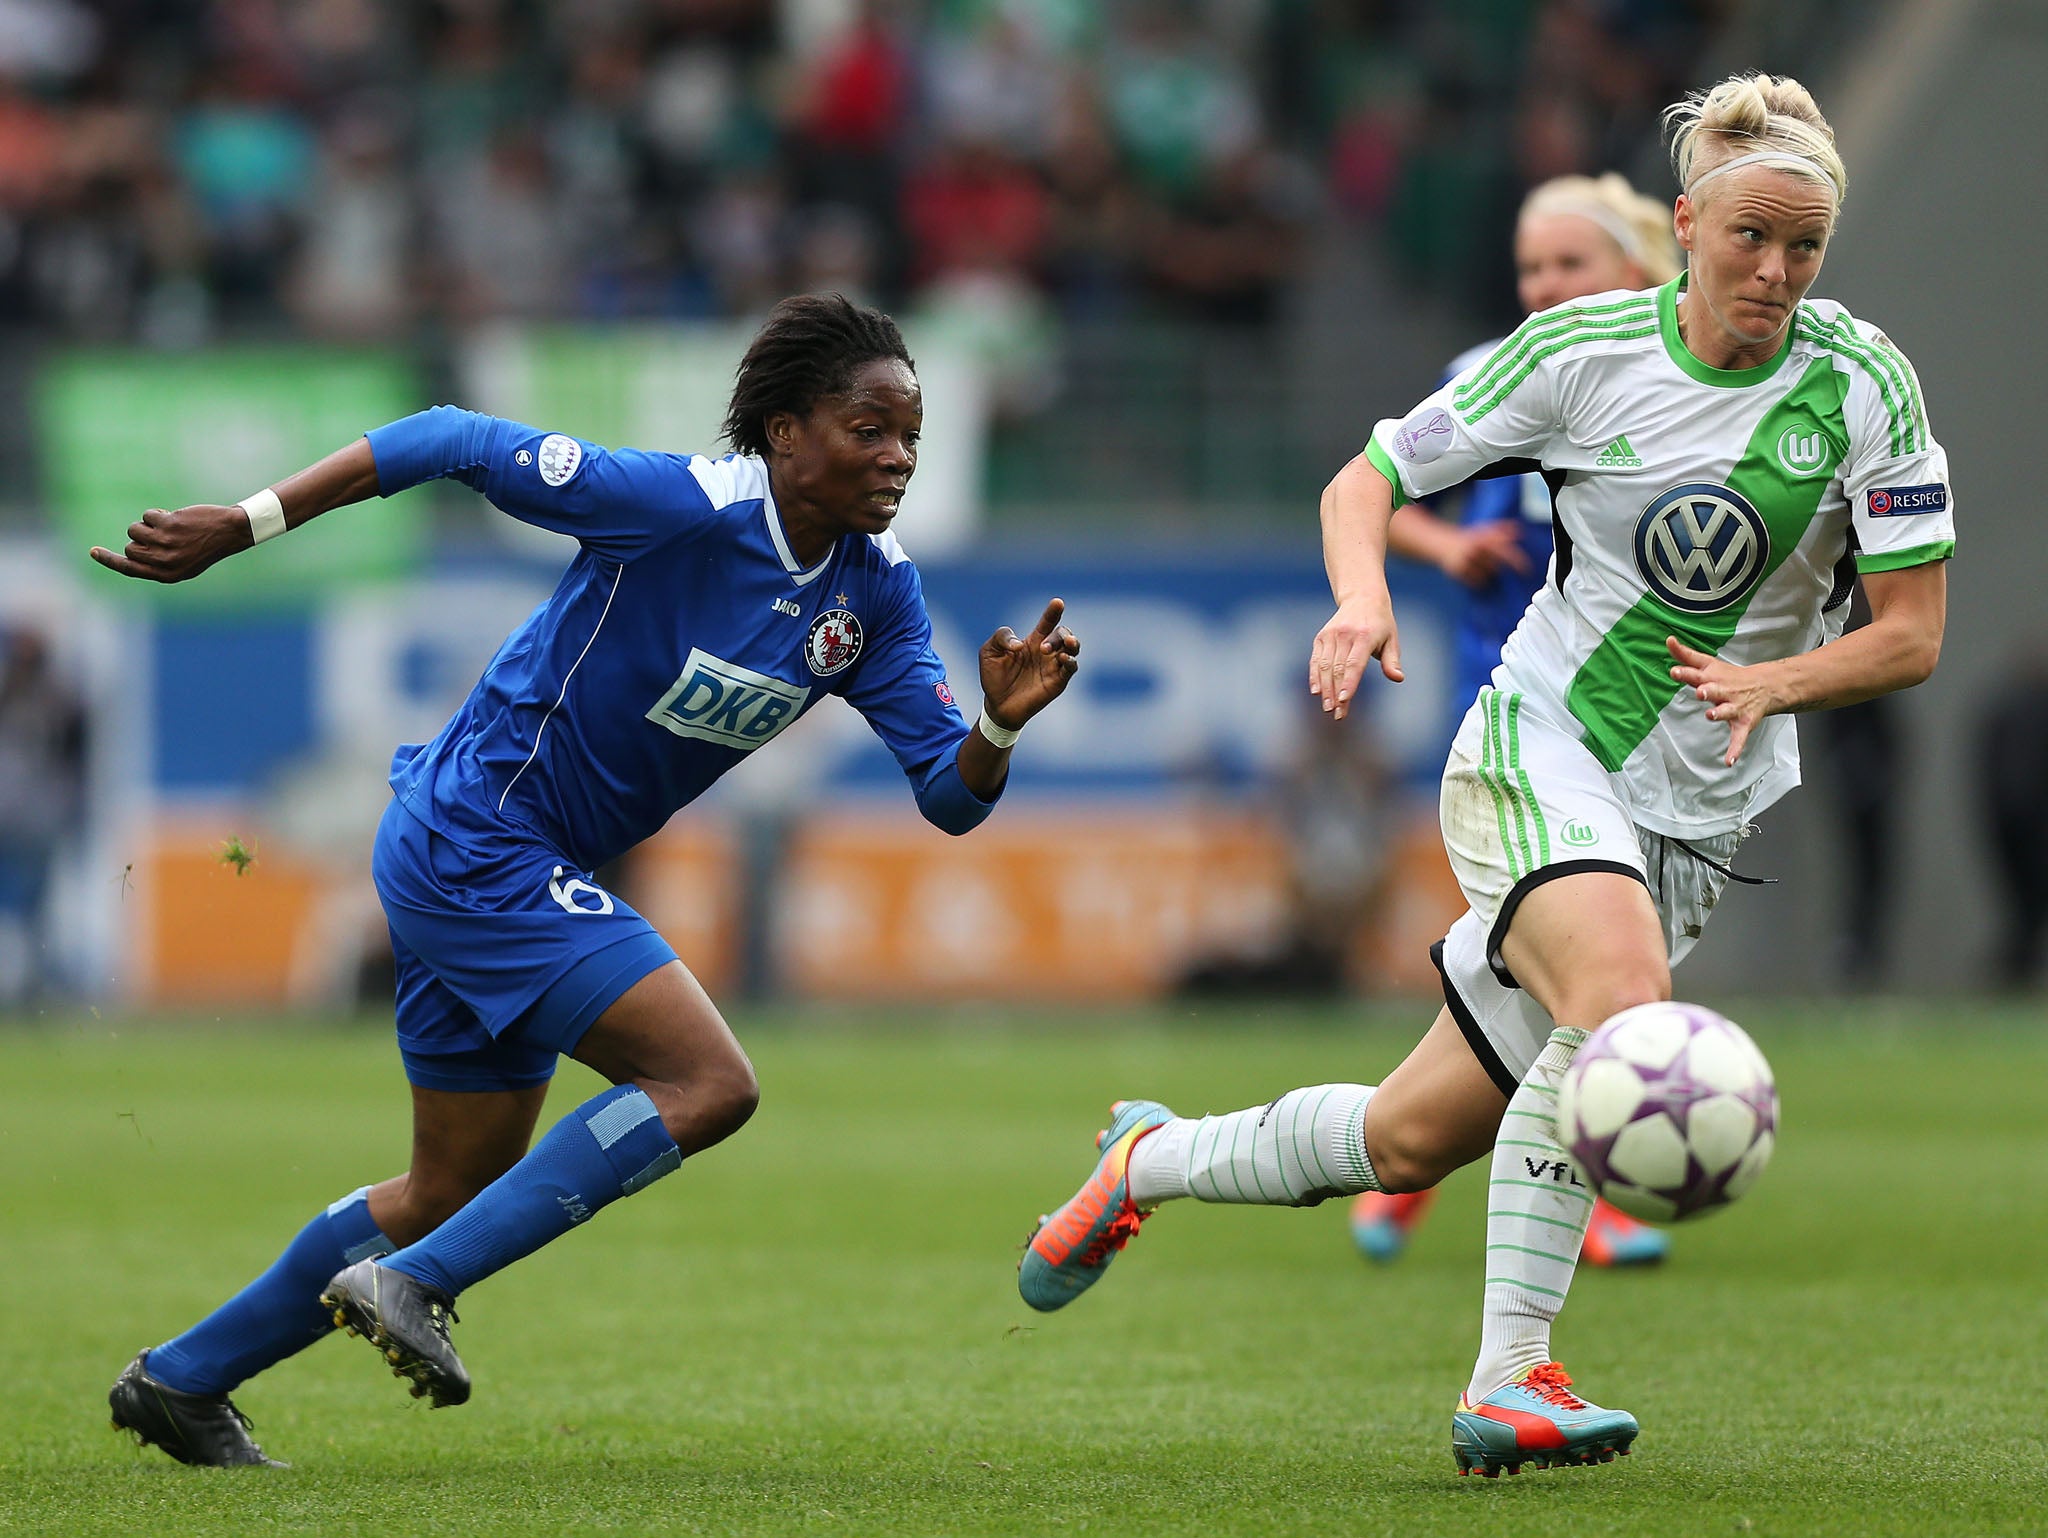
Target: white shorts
1524, 802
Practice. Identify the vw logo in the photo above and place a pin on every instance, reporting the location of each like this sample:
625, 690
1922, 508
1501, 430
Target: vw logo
1700, 547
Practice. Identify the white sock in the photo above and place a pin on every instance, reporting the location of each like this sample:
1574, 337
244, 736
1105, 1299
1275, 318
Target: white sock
1306, 1146
1536, 1215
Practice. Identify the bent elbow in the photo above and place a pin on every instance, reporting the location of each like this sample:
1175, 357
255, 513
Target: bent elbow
949, 806
954, 821
1925, 659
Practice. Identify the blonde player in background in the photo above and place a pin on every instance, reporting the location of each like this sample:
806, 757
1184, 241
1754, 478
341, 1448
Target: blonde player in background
1776, 447
1575, 236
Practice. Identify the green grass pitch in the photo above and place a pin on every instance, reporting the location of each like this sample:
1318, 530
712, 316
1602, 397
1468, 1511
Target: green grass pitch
814, 1329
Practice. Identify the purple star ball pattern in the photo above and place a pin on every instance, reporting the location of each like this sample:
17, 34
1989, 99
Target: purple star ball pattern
1669, 1110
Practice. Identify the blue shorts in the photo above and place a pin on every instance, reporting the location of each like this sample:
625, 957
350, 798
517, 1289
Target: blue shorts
504, 957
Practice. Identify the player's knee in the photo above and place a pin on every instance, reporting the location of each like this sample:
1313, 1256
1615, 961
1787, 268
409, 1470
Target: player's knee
428, 1200
734, 1096
715, 1101
1401, 1173
1604, 994
1409, 1155
429, 1209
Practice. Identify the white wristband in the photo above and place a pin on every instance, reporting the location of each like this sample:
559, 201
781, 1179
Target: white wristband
998, 736
266, 515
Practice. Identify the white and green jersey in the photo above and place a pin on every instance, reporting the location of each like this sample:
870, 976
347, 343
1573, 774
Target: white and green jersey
1728, 507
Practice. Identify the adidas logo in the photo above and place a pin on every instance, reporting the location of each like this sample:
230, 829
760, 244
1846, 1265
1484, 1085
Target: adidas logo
1619, 456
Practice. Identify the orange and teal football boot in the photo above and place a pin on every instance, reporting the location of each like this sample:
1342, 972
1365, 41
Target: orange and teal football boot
1536, 1419
1613, 1238
1381, 1224
1069, 1251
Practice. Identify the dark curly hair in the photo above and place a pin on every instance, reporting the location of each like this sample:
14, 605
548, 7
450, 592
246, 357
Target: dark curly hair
807, 350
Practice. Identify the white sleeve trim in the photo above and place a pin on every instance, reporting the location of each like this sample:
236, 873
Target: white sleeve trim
735, 478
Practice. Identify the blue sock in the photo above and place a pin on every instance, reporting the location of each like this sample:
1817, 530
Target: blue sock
608, 1147
278, 1313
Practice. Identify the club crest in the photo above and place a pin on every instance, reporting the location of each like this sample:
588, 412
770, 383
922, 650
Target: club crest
833, 642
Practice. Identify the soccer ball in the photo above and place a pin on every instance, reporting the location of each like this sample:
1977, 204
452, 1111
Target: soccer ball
1669, 1110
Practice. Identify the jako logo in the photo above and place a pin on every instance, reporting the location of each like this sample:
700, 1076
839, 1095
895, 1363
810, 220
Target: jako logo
1701, 547
1803, 451
721, 701
568, 893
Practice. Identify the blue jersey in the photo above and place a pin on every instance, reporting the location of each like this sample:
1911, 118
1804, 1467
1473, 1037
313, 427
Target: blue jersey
1487, 615
683, 636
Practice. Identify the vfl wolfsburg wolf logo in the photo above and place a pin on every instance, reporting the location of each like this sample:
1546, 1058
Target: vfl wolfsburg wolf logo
1701, 547
1804, 451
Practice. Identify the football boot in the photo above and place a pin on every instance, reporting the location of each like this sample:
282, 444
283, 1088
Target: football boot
202, 1429
1536, 1419
1381, 1224
406, 1320
1069, 1250
1613, 1238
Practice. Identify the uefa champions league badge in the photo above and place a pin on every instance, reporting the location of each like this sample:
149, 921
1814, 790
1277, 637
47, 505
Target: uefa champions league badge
560, 458
1424, 437
833, 642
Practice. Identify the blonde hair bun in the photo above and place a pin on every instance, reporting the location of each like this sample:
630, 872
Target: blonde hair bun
1748, 115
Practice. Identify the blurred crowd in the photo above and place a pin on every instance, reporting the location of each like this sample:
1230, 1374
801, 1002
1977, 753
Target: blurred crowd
44, 733
173, 171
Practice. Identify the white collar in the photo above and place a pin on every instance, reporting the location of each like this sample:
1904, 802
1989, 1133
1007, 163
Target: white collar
797, 574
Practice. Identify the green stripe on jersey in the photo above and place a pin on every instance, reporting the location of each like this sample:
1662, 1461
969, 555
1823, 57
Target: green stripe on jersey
1916, 407
1489, 776
1543, 325
1377, 458
1625, 685
1505, 752
1891, 365
1899, 560
1522, 775
1901, 398
1612, 328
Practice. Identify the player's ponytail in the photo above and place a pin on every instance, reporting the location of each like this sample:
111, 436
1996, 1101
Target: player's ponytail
807, 350
1753, 119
